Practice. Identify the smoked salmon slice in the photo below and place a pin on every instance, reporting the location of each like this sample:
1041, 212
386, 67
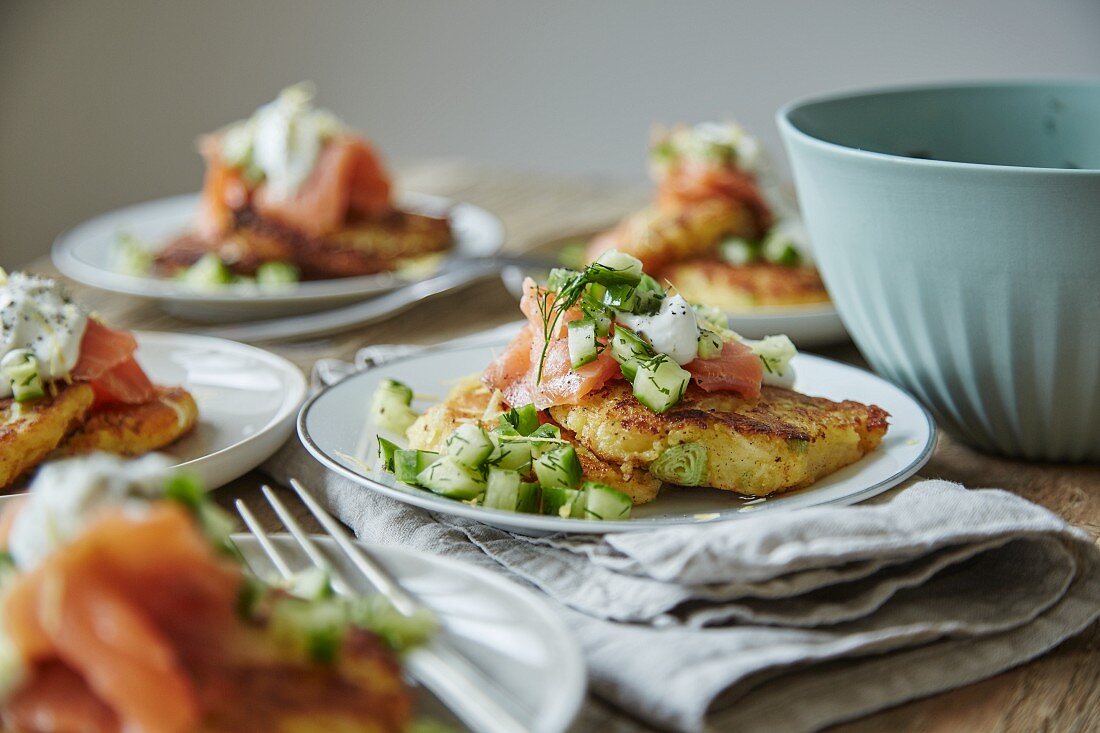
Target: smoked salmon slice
223, 191
107, 362
127, 606
736, 369
347, 176
515, 372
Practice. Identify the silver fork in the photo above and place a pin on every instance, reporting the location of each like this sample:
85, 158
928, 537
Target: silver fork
438, 665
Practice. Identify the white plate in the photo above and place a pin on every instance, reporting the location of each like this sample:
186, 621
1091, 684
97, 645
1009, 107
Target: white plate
87, 254
247, 400
506, 630
334, 427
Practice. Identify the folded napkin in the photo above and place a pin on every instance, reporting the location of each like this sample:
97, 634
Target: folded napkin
779, 621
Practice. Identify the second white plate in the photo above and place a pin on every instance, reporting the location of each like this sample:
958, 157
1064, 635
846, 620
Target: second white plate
335, 429
247, 400
87, 254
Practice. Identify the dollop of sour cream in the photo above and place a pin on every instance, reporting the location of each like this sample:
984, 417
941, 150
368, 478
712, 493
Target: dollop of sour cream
36, 315
673, 330
65, 495
282, 139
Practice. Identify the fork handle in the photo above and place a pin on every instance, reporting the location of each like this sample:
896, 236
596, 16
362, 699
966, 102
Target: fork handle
461, 687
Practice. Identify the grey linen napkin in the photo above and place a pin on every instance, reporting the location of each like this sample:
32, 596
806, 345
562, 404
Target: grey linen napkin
783, 621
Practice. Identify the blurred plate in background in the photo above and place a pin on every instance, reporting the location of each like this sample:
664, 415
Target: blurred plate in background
88, 254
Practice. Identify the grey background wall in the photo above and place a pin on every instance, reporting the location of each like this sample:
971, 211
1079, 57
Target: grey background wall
100, 100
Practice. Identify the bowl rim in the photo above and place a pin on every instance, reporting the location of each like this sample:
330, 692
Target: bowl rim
790, 130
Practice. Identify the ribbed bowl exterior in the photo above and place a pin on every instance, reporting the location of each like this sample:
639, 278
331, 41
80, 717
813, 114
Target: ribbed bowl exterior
977, 288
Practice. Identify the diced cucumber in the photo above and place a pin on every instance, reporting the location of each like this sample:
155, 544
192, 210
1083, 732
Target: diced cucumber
386, 451
620, 297
399, 390
711, 317
614, 268
546, 430
562, 502
311, 584
390, 407
20, 368
510, 452
208, 271
132, 255
738, 251
684, 465
559, 276
407, 464
277, 273
502, 490
583, 348
599, 315
710, 344
603, 502
647, 303
469, 445
660, 383
594, 294
524, 420
316, 627
236, 145
628, 348
649, 284
530, 496
775, 352
448, 477
558, 467
648, 296
780, 250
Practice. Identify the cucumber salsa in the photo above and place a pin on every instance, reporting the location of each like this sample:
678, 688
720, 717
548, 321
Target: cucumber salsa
652, 333
519, 465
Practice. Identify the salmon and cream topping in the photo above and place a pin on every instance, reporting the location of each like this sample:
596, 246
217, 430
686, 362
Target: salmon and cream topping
38, 322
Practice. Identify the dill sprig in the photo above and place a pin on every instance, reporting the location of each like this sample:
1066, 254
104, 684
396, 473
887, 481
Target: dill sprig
552, 306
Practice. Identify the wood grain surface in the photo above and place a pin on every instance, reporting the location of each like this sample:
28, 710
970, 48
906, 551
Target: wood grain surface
1057, 692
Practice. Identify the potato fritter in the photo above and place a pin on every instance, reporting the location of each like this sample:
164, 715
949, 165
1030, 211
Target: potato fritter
363, 247
659, 235
469, 399
132, 430
362, 692
734, 288
780, 441
29, 431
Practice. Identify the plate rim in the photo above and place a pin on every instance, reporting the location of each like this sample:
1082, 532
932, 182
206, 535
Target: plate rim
292, 401
541, 523
62, 256
574, 662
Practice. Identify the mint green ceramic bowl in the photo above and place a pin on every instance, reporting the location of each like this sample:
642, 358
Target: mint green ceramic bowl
958, 230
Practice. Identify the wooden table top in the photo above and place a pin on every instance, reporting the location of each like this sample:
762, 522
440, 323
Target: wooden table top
1059, 691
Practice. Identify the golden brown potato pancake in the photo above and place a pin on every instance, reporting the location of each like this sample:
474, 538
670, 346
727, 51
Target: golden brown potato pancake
363, 247
659, 235
132, 430
30, 431
780, 441
734, 288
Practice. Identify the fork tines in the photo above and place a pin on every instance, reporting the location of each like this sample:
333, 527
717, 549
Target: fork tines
467, 691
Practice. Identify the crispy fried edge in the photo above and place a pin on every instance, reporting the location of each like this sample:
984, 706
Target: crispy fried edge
132, 430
